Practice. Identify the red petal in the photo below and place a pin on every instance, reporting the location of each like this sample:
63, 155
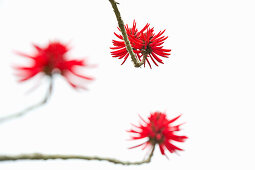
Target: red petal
162, 149
172, 120
137, 145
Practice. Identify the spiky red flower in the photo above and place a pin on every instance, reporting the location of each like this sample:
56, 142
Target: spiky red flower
143, 42
158, 130
50, 60
120, 49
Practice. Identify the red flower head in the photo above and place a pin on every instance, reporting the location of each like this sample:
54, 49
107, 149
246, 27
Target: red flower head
49, 60
144, 42
158, 130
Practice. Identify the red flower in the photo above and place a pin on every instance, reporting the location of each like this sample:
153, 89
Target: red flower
158, 130
144, 42
50, 60
120, 49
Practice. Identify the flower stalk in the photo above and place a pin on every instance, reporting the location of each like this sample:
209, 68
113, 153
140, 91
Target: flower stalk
26, 110
38, 156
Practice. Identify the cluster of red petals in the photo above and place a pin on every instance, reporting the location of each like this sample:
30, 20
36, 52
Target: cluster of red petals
49, 60
143, 42
158, 130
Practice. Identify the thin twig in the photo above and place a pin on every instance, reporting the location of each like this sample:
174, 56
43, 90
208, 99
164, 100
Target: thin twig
25, 111
38, 156
136, 62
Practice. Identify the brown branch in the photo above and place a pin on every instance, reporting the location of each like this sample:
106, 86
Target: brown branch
25, 111
38, 156
136, 62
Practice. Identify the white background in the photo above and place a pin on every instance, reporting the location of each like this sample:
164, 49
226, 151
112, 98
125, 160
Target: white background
209, 78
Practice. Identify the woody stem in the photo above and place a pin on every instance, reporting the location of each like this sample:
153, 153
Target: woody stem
28, 109
136, 62
38, 156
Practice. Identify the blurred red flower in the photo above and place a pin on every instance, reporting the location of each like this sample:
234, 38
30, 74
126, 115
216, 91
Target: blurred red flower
158, 130
143, 42
50, 60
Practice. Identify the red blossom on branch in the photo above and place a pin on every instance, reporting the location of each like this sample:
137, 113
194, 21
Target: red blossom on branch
158, 130
143, 42
50, 60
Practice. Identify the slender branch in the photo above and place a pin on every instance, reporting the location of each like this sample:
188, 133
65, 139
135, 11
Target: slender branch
38, 156
136, 62
25, 111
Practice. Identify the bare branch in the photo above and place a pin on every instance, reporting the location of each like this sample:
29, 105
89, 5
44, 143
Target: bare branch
136, 62
38, 156
25, 111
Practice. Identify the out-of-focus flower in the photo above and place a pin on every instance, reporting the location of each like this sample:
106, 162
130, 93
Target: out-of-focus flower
158, 130
143, 42
50, 60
